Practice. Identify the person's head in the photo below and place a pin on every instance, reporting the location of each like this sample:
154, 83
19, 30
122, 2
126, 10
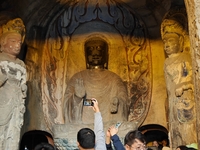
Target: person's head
134, 140
181, 147
165, 142
35, 137
96, 53
86, 139
173, 36
155, 143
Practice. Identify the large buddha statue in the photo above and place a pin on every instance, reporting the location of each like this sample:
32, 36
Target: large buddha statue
96, 82
12, 84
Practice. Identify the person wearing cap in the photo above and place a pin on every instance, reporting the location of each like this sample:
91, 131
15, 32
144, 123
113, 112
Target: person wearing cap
87, 139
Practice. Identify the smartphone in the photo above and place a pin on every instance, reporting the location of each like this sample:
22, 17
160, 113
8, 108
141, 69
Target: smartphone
117, 125
87, 102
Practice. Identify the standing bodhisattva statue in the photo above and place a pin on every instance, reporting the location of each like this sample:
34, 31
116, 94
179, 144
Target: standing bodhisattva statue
12, 84
178, 75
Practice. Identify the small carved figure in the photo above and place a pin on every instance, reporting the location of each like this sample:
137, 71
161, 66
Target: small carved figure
96, 82
12, 84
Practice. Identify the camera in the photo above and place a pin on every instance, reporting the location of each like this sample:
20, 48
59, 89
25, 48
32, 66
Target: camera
87, 102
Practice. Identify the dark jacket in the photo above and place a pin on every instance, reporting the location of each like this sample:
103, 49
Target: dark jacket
116, 143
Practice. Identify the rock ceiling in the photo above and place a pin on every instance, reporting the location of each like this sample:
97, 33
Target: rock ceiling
151, 11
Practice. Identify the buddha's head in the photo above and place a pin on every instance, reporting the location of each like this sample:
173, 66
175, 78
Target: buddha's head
96, 53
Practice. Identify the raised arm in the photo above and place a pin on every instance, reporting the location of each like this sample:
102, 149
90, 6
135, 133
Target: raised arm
98, 127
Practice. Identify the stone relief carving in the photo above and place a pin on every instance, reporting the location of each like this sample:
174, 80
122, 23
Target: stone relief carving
178, 75
63, 54
131, 29
98, 82
12, 84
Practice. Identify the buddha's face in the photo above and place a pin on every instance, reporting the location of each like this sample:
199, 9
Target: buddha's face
11, 44
171, 43
95, 52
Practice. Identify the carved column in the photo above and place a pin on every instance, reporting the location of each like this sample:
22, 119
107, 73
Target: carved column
194, 31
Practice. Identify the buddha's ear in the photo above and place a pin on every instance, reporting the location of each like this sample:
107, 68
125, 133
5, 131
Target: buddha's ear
181, 42
3, 40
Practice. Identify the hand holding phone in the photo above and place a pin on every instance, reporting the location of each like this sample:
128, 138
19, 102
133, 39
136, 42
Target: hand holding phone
117, 125
88, 102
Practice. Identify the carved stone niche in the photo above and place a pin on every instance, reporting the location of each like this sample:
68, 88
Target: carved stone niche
62, 55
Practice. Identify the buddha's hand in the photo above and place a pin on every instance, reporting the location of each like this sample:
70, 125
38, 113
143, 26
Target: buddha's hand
114, 105
79, 88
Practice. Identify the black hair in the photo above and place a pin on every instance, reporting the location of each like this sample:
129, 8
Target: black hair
132, 135
182, 147
44, 146
34, 137
86, 138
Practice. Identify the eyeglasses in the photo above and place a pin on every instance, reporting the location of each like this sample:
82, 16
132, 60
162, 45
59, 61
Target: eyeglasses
139, 147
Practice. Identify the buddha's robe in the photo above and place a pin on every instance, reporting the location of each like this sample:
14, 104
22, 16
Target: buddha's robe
103, 85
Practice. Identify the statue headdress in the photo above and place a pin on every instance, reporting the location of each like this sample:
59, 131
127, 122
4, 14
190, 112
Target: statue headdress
14, 26
171, 26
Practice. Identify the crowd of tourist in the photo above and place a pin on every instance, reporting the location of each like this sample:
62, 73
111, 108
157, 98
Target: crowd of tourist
88, 139
157, 145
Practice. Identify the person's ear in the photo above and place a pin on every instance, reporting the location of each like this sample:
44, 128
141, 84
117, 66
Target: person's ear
126, 147
78, 144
